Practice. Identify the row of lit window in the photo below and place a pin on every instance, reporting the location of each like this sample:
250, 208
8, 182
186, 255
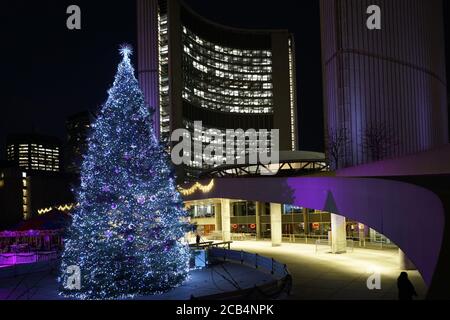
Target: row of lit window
242, 68
25, 205
222, 49
40, 150
43, 166
164, 102
292, 95
229, 75
216, 85
33, 147
223, 62
226, 108
233, 100
217, 137
200, 73
205, 52
194, 93
227, 92
45, 157
44, 154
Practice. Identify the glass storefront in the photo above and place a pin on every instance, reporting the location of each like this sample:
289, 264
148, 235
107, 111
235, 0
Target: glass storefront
243, 228
243, 209
202, 211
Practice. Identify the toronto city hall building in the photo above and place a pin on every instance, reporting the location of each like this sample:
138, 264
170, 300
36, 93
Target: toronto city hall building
191, 69
389, 83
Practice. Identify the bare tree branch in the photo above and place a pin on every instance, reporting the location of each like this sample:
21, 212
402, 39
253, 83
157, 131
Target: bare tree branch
336, 141
378, 141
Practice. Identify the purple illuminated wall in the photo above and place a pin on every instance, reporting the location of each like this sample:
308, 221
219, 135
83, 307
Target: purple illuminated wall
148, 62
411, 216
394, 77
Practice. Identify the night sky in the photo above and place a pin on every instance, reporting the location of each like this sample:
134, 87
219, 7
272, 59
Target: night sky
50, 73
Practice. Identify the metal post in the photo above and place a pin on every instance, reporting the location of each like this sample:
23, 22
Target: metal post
273, 269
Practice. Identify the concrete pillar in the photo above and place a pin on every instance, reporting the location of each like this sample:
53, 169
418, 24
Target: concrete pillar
218, 211
362, 234
372, 235
338, 234
276, 224
306, 220
366, 231
226, 217
404, 262
259, 207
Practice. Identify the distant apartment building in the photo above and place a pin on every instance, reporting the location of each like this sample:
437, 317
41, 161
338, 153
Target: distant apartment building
34, 153
32, 178
13, 195
24, 195
77, 128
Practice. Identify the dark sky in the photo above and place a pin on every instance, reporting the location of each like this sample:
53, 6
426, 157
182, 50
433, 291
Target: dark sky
49, 72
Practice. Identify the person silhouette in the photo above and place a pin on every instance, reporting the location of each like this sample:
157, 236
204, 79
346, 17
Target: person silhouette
198, 239
406, 289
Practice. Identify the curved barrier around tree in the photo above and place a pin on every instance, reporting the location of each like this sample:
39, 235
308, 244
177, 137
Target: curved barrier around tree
10, 259
281, 285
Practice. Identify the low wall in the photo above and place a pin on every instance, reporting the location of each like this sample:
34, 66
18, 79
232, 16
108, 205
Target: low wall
43, 263
281, 285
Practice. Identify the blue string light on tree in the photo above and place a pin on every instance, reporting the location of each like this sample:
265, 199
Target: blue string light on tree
127, 232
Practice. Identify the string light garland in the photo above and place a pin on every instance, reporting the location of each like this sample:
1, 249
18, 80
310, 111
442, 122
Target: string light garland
197, 186
62, 208
127, 233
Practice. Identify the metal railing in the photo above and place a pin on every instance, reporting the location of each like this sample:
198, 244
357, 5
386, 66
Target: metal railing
348, 244
281, 285
366, 242
25, 258
243, 236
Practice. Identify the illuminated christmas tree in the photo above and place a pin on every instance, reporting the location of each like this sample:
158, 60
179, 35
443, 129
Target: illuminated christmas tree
127, 230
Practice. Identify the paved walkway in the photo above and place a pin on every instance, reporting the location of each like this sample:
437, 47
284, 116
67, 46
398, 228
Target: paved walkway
323, 276
43, 286
316, 276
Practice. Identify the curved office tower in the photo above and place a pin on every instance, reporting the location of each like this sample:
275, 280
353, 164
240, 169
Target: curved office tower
388, 83
192, 69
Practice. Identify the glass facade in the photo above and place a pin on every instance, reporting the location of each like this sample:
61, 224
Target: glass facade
226, 79
164, 97
202, 211
213, 137
243, 209
34, 156
229, 80
292, 98
191, 69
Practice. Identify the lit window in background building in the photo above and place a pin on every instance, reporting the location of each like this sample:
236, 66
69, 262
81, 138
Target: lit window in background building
200, 160
26, 202
292, 95
35, 157
211, 70
164, 101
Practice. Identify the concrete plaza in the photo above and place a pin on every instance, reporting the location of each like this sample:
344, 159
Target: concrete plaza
324, 276
214, 280
316, 274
